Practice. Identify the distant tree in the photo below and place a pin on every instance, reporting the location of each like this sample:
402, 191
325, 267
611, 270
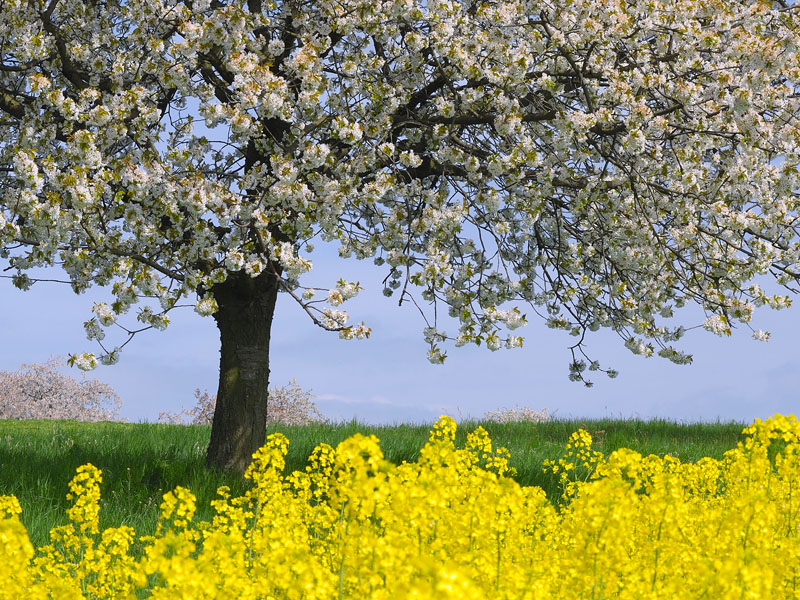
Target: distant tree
286, 405
41, 392
604, 162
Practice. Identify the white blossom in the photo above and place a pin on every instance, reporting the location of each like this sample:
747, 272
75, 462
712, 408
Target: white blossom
410, 159
93, 330
111, 358
514, 341
85, 361
638, 346
761, 336
294, 265
436, 356
105, 314
355, 332
234, 260
717, 324
28, 171
206, 306
493, 342
675, 356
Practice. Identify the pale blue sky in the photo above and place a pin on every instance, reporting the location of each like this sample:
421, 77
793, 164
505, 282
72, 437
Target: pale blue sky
387, 378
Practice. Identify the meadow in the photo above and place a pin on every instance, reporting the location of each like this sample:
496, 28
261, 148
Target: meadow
140, 462
503, 510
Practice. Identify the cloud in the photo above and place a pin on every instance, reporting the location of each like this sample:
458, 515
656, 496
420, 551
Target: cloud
335, 399
374, 410
374, 400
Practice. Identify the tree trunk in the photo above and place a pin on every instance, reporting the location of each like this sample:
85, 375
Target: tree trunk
244, 317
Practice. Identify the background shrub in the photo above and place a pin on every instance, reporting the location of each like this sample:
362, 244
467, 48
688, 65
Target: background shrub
516, 414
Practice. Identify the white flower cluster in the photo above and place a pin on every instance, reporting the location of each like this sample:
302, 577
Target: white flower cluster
293, 264
105, 314
436, 355
206, 307
676, 356
512, 318
158, 321
343, 291
355, 332
110, 358
26, 169
638, 346
717, 324
85, 361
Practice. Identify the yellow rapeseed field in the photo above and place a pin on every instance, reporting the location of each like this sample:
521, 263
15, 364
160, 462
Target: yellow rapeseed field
451, 525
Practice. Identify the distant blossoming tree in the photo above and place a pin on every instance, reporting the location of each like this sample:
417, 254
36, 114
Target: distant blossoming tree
41, 392
603, 162
286, 405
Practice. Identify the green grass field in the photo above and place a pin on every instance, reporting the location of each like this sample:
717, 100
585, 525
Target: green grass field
140, 462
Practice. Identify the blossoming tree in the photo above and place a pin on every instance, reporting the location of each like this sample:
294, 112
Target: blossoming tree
602, 162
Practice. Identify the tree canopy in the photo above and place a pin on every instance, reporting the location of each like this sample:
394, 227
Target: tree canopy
603, 163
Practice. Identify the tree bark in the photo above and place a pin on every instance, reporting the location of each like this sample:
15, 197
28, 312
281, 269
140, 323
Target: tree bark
244, 318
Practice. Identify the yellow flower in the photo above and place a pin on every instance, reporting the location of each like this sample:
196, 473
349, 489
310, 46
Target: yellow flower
450, 525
